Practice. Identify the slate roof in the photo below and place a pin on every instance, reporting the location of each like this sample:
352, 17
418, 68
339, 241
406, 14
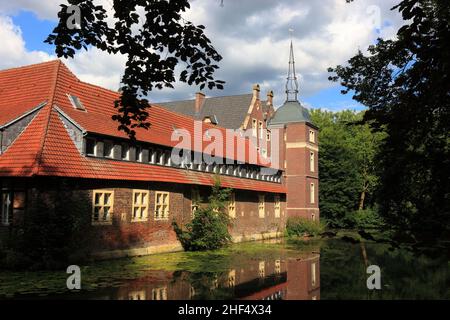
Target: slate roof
45, 148
290, 111
230, 111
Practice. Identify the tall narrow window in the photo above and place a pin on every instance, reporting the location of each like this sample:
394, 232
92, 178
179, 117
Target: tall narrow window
125, 152
262, 269
231, 278
161, 205
6, 206
277, 266
277, 206
268, 135
159, 293
312, 193
254, 127
108, 149
261, 130
137, 295
140, 205
102, 208
195, 200
311, 161
261, 206
90, 146
232, 206
138, 153
312, 136
313, 274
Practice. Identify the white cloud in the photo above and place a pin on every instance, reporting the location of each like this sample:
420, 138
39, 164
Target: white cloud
44, 9
12, 50
98, 67
252, 36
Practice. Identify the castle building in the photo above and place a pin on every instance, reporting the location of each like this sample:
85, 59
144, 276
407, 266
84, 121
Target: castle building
57, 138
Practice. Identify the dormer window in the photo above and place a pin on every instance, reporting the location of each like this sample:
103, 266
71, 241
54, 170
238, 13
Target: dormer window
76, 102
108, 149
125, 152
90, 146
254, 127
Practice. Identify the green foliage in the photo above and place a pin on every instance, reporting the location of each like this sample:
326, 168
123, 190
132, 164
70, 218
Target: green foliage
53, 233
405, 83
209, 228
299, 227
368, 218
154, 44
347, 170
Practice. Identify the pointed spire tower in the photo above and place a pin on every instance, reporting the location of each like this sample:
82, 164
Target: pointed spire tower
292, 83
291, 110
299, 149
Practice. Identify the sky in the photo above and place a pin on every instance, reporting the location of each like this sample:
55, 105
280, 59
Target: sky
251, 35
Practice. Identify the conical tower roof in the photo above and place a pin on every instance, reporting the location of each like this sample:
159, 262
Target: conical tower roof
291, 110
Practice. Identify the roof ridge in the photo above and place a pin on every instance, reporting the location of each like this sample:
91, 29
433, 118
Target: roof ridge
53, 61
206, 98
50, 108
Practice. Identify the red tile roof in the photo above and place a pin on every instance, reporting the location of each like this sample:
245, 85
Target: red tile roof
44, 148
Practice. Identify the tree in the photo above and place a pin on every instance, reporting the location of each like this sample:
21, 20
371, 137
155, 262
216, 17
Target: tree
347, 170
155, 38
405, 83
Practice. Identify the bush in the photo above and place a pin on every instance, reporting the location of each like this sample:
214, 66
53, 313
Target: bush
299, 227
208, 230
365, 219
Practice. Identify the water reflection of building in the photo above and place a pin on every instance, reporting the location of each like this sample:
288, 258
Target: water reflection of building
270, 279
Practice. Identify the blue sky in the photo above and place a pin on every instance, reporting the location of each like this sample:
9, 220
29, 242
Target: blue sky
252, 37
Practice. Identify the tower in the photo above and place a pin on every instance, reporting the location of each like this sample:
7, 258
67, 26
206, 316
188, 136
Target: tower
299, 150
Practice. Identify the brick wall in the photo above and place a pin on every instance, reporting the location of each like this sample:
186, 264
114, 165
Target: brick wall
123, 233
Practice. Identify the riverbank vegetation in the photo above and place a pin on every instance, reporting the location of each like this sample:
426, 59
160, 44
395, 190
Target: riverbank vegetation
302, 227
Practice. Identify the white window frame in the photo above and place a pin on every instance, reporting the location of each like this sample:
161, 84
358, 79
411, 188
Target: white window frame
195, 200
312, 161
102, 205
261, 206
312, 136
142, 205
254, 127
313, 274
232, 205
277, 206
162, 214
111, 153
312, 193
159, 293
7, 206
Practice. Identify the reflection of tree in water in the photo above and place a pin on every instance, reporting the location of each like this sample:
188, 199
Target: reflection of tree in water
404, 275
207, 285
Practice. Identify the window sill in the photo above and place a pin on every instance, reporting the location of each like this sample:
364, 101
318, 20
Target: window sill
139, 220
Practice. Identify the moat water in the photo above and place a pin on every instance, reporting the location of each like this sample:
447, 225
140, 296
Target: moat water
296, 270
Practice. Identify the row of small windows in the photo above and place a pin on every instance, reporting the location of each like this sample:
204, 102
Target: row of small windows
123, 151
103, 205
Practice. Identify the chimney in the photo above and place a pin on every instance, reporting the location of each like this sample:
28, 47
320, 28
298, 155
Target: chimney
270, 98
199, 101
256, 91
